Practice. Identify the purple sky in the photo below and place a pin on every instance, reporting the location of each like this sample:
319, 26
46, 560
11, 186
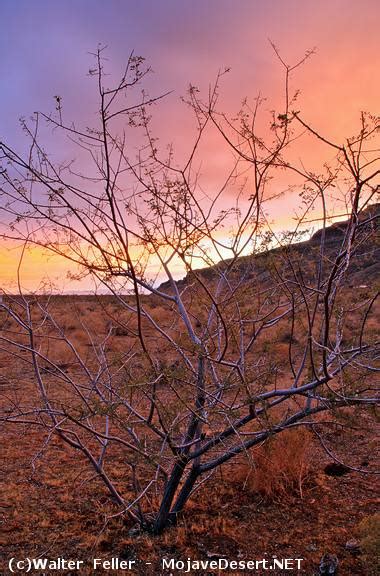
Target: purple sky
44, 46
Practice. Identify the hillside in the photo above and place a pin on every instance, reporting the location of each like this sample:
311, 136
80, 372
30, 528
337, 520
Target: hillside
364, 267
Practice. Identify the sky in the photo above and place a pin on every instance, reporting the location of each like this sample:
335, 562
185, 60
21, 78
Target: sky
45, 50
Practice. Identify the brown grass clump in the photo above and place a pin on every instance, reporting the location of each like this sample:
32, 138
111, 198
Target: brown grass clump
280, 467
369, 531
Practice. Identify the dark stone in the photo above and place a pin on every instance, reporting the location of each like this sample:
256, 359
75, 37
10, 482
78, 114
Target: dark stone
352, 546
328, 565
336, 469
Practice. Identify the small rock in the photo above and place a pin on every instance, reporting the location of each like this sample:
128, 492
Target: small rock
336, 469
213, 555
328, 565
352, 545
135, 530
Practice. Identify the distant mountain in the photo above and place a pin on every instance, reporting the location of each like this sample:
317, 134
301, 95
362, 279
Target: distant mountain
364, 268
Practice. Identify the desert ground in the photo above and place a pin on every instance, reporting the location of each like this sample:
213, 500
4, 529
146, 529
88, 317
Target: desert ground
293, 500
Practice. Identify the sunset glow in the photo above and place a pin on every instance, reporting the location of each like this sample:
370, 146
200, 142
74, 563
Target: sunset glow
45, 50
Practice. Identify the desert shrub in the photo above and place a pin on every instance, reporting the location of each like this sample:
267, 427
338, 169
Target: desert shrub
369, 531
60, 353
121, 331
280, 467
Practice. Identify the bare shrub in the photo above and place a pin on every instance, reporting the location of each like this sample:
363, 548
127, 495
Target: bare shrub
211, 373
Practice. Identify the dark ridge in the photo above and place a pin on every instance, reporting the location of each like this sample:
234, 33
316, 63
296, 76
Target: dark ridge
364, 267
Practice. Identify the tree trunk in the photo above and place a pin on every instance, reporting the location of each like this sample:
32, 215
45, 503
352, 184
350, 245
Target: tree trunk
185, 492
163, 515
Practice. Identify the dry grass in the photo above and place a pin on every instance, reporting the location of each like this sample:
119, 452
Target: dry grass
369, 532
280, 467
